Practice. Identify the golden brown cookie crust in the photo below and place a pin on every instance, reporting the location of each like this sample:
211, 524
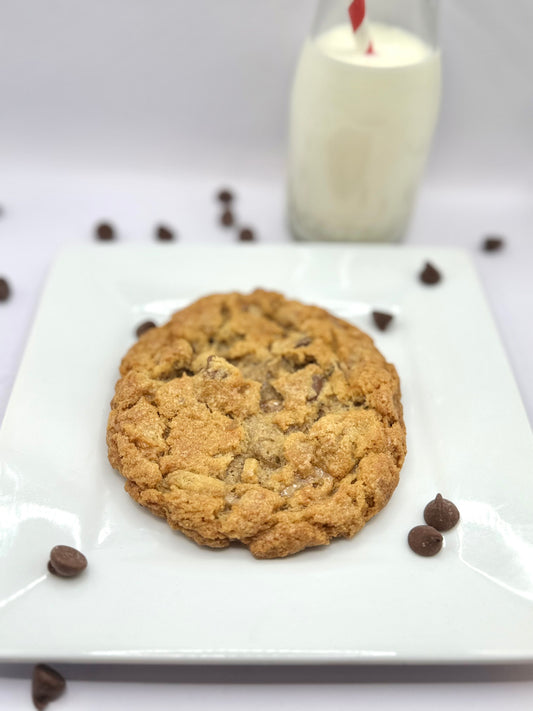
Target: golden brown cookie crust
257, 419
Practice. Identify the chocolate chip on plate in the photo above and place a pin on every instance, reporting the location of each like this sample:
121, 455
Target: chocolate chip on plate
105, 231
143, 327
246, 235
425, 540
227, 218
66, 561
47, 685
164, 234
493, 244
430, 275
441, 513
381, 319
5, 290
225, 195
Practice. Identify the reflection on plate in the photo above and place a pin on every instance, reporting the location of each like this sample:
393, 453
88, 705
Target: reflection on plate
364, 600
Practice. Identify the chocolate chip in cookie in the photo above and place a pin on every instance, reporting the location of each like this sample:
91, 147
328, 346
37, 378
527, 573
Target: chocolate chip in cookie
430, 274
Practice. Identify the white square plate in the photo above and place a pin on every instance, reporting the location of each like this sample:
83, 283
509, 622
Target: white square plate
149, 594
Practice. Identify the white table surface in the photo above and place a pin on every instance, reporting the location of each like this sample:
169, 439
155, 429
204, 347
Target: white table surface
44, 210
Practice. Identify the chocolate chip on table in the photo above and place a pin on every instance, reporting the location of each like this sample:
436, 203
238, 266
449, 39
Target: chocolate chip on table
493, 244
225, 195
246, 235
441, 513
164, 234
5, 289
227, 218
66, 562
425, 540
47, 685
105, 231
381, 319
430, 275
143, 327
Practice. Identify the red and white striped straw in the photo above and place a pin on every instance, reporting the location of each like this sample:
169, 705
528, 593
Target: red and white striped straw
357, 11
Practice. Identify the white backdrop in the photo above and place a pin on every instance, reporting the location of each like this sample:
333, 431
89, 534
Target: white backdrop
204, 85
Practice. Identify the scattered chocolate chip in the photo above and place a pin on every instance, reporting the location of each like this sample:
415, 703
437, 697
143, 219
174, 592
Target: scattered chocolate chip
5, 290
430, 275
164, 234
143, 327
47, 685
381, 319
305, 341
105, 231
51, 568
225, 195
227, 218
66, 561
425, 540
493, 244
246, 235
441, 514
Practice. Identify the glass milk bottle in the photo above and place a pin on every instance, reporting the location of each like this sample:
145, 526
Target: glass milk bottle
364, 106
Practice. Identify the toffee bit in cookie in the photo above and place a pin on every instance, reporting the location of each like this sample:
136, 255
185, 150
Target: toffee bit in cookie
105, 231
143, 327
493, 244
5, 290
67, 562
227, 219
441, 514
246, 235
47, 685
425, 540
164, 234
225, 195
430, 275
381, 319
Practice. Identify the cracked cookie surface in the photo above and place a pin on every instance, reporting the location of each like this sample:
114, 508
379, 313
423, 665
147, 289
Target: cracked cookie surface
257, 419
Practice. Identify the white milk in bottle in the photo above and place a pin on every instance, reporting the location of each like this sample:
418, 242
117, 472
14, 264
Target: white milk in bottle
360, 131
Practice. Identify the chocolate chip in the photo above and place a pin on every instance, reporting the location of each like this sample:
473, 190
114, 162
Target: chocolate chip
47, 685
305, 341
246, 235
225, 195
164, 234
317, 383
5, 290
493, 244
105, 231
66, 561
381, 319
143, 327
425, 540
227, 218
430, 275
441, 514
